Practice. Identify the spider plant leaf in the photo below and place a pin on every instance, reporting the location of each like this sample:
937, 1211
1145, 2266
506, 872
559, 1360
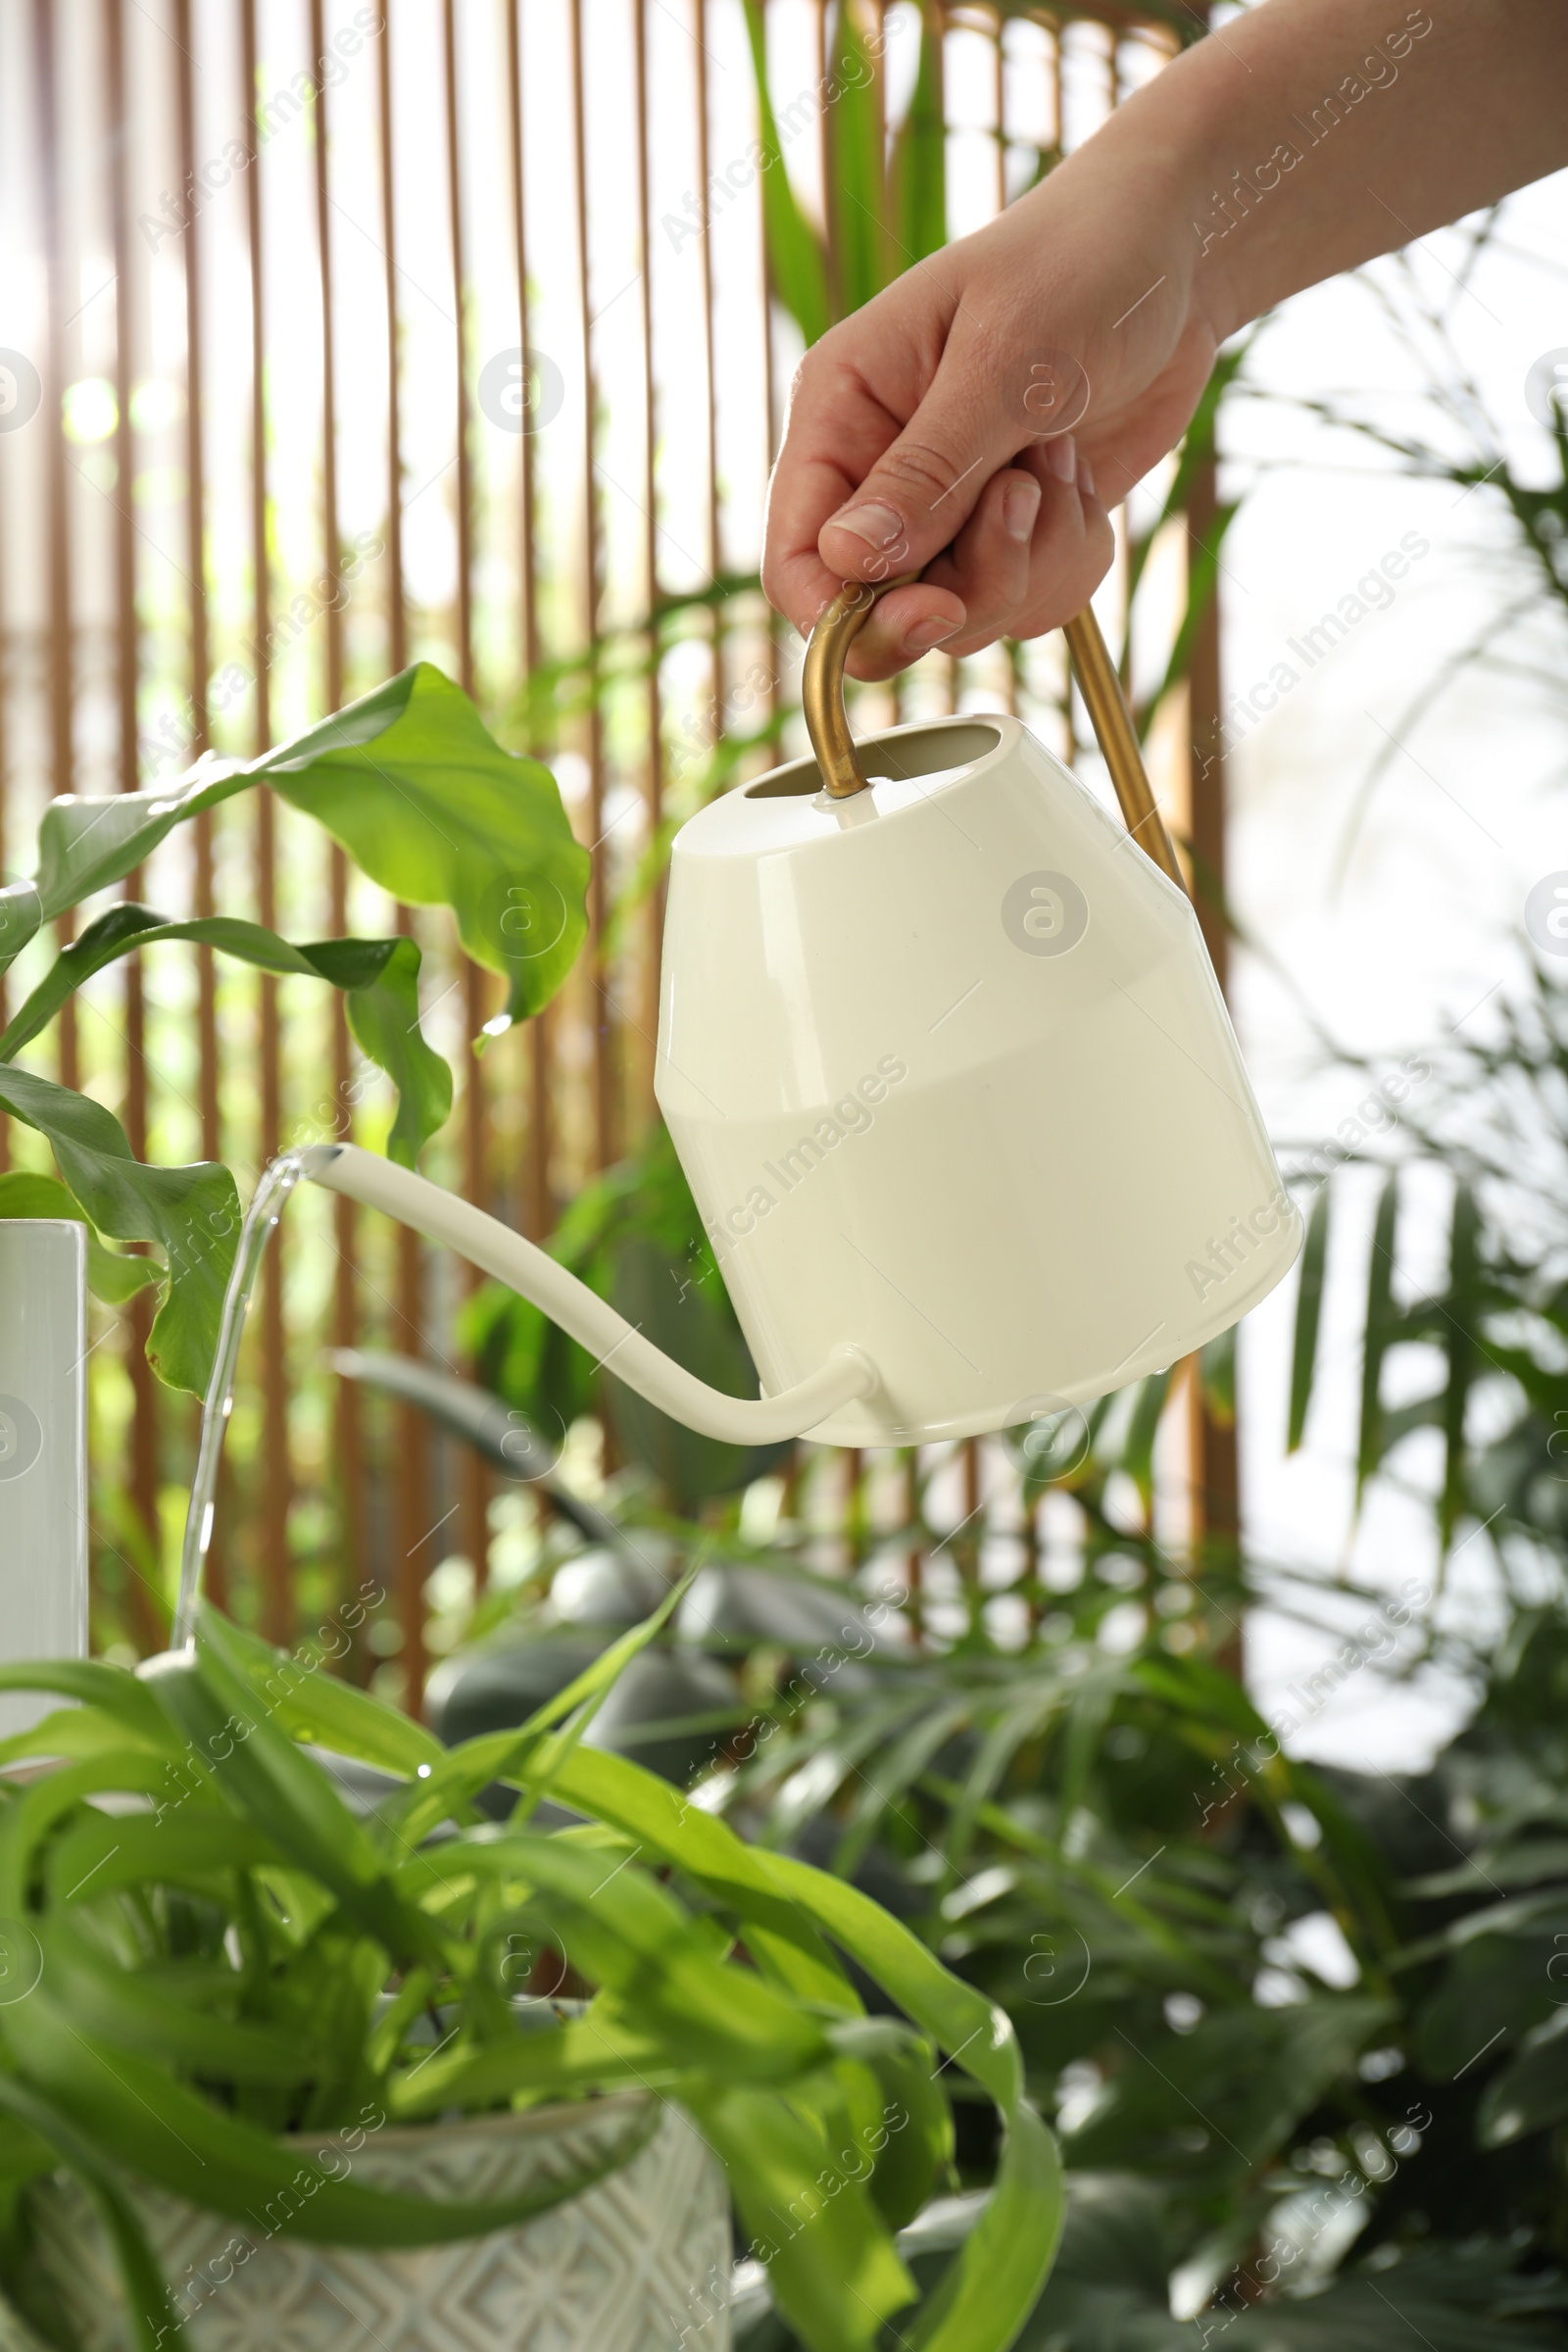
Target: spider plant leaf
834, 2270
1197, 450
192, 1212
32, 1816
107, 1999
1308, 1316
603, 2050
272, 1782
787, 1946
917, 2125
104, 1853
630, 1935
796, 263
424, 799
992, 2285
153, 2317
312, 1706
113, 1691
138, 2116
379, 976
1371, 1438
528, 1757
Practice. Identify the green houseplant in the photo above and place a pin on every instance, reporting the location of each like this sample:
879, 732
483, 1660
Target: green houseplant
246, 1976
412, 785
213, 1952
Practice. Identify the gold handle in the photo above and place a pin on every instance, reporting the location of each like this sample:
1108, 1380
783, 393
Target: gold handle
822, 694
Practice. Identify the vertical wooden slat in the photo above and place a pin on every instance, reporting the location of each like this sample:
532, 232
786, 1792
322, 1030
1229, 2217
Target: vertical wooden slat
824, 159
1216, 1471
274, 1492
61, 653
196, 575
606, 1123
397, 611
1005, 674
776, 631
709, 382
143, 1481
347, 1420
537, 1205
527, 574
654, 767
473, 1484
914, 1556
411, 1478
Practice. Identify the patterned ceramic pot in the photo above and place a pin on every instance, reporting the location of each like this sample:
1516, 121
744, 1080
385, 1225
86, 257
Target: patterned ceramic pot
638, 2263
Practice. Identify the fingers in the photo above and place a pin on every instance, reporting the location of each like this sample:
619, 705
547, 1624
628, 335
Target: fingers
922, 490
1030, 556
892, 432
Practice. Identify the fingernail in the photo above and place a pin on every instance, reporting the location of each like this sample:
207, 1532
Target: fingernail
878, 526
927, 633
1060, 457
1086, 478
1020, 504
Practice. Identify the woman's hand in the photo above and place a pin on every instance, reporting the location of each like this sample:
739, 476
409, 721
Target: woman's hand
984, 411
975, 422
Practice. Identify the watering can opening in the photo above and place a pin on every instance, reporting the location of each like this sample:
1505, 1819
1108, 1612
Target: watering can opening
949, 1075
932, 752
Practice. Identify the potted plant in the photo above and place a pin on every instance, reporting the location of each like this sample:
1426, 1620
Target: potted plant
265, 2058
264, 2061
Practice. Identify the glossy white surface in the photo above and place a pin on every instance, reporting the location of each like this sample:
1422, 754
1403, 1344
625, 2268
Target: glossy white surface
1004, 1145
43, 1451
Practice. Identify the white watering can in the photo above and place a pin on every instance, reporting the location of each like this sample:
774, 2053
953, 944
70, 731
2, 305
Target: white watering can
947, 1066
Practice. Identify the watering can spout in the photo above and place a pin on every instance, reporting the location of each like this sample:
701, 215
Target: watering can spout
615, 1345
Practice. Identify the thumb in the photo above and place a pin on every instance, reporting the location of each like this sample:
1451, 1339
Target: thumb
925, 485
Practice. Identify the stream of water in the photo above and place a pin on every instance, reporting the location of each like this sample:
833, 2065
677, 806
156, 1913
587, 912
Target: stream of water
277, 1181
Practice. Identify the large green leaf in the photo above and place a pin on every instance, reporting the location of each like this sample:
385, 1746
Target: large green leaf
379, 977
918, 173
20, 913
110, 1277
795, 258
193, 1212
420, 794
857, 190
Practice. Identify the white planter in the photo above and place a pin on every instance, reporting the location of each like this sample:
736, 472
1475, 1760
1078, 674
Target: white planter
638, 2263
